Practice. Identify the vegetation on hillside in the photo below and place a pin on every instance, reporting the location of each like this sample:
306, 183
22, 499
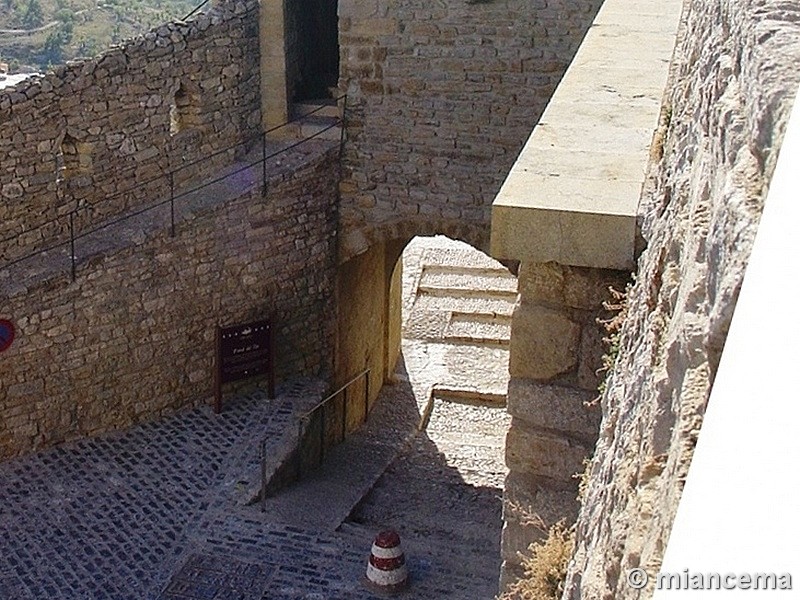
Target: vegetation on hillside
36, 35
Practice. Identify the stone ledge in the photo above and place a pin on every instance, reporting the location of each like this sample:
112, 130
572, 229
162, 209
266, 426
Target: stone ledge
572, 196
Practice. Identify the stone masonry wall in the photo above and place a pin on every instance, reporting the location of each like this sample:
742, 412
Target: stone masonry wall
133, 337
82, 135
556, 353
442, 97
734, 78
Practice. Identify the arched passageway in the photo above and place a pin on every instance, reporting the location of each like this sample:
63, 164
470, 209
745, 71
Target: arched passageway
444, 488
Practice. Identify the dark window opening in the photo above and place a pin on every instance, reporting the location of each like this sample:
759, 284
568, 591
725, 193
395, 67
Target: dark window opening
318, 29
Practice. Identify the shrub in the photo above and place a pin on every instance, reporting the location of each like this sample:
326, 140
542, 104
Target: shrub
545, 567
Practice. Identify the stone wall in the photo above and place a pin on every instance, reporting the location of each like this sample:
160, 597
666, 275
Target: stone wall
555, 357
368, 298
442, 97
133, 337
85, 134
734, 78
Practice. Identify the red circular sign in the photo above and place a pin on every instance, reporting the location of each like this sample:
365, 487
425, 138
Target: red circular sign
6, 334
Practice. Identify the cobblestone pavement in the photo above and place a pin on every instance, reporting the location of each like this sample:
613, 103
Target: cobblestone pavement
163, 510
108, 517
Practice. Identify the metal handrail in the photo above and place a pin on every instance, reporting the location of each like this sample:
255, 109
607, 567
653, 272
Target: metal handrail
330, 397
306, 418
172, 173
173, 197
196, 8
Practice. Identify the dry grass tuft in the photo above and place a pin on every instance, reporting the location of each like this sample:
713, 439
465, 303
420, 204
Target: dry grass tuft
545, 567
618, 307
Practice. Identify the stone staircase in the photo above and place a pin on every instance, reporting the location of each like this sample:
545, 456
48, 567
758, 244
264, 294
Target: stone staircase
320, 118
463, 304
327, 495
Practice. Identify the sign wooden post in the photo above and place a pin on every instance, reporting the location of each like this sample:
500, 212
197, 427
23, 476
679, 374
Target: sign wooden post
242, 352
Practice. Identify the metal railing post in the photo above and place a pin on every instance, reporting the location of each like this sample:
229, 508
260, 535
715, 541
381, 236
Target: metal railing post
322, 411
343, 125
72, 243
300, 447
344, 415
366, 396
263, 165
172, 203
264, 476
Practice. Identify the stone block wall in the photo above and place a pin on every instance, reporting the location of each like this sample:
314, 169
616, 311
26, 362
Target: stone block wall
133, 337
734, 80
556, 352
442, 97
83, 135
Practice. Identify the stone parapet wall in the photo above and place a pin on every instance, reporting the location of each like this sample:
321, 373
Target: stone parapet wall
82, 136
733, 82
133, 337
556, 353
442, 97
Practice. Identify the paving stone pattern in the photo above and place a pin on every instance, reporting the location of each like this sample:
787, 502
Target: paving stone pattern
107, 517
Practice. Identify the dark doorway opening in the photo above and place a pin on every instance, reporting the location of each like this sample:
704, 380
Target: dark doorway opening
318, 29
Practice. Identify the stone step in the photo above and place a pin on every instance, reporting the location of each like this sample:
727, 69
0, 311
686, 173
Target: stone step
455, 258
453, 301
326, 128
476, 281
465, 292
493, 328
321, 108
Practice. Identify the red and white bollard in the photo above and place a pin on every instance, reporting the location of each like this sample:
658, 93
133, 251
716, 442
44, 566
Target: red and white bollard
386, 569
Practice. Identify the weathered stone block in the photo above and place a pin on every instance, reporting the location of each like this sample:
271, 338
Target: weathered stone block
544, 454
555, 407
544, 343
576, 287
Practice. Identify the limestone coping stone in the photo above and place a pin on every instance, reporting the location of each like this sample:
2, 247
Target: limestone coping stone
572, 195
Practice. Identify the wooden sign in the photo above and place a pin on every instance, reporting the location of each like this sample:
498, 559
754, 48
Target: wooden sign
243, 351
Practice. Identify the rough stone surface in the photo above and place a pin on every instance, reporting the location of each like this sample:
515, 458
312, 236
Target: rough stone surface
544, 344
734, 78
562, 409
442, 97
543, 454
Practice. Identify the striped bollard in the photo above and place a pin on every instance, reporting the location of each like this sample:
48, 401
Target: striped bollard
386, 569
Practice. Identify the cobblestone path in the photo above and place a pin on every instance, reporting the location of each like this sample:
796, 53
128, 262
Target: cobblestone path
108, 517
